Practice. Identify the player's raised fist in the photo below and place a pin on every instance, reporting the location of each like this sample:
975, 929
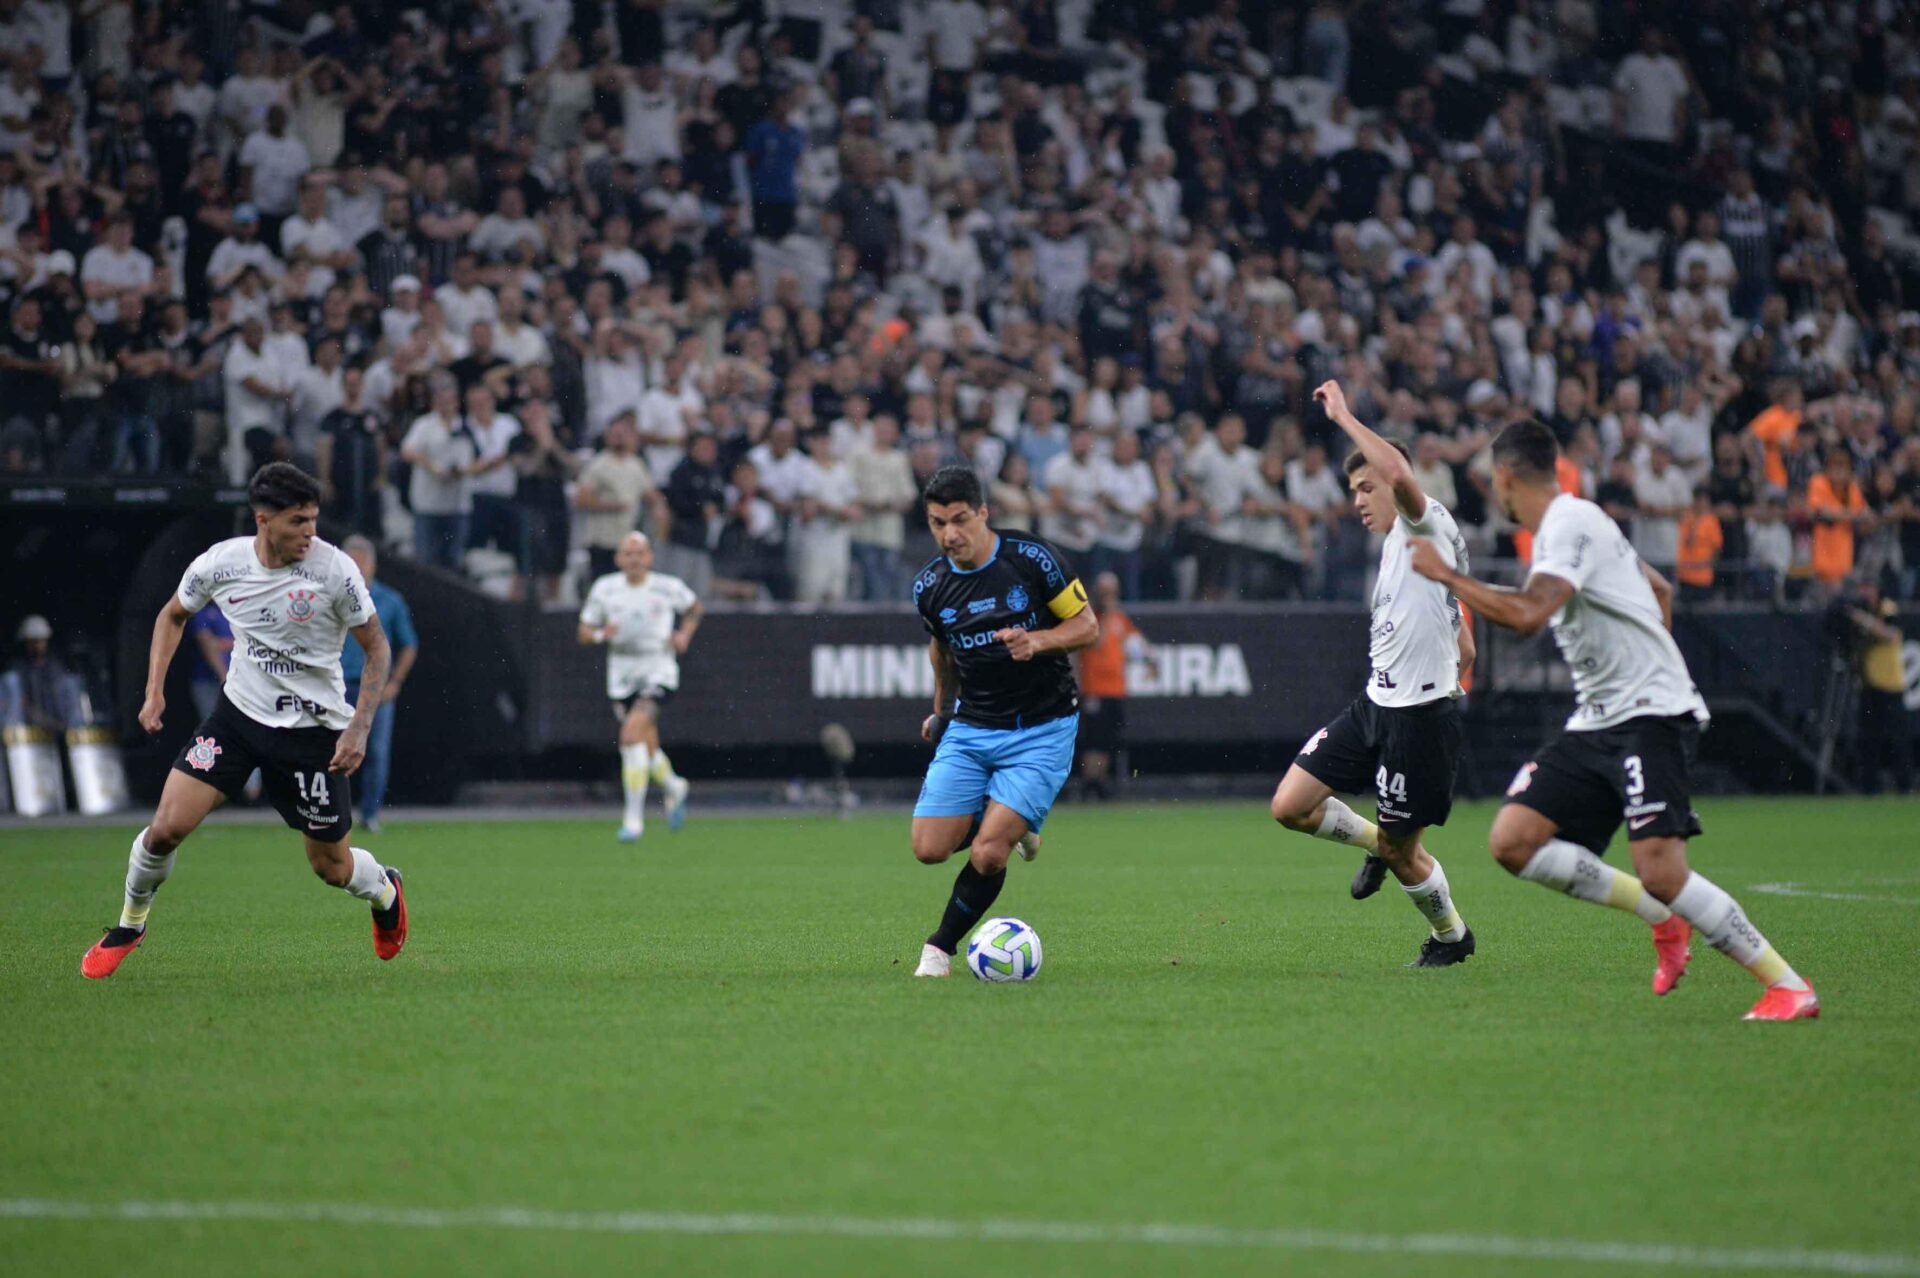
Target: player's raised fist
1330, 397
150, 711
1427, 561
1021, 644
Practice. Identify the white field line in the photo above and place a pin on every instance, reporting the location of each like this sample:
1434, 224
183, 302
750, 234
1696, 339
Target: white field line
1794, 889
1482, 1246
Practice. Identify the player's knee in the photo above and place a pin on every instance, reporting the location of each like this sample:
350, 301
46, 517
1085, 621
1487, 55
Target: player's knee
930, 847
990, 855
1511, 847
165, 834
1291, 814
332, 863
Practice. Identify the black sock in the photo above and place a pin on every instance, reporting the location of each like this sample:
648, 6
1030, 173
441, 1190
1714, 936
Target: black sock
973, 895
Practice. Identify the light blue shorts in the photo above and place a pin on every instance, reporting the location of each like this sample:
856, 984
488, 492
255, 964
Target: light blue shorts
1021, 768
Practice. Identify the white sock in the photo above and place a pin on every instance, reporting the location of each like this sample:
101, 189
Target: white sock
145, 873
662, 768
1570, 868
370, 881
1719, 919
1341, 824
633, 776
1435, 902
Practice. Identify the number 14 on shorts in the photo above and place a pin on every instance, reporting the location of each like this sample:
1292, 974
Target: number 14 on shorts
314, 790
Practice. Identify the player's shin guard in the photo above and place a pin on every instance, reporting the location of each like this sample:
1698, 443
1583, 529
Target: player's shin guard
1341, 824
369, 881
145, 873
1719, 919
635, 765
661, 769
1434, 900
1570, 868
973, 895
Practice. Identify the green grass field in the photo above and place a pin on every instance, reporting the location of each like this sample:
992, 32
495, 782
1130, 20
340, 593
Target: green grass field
722, 1022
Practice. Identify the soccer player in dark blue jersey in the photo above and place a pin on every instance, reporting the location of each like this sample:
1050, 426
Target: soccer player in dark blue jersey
1004, 610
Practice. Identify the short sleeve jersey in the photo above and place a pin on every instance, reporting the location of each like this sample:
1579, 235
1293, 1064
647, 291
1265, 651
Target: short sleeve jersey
1025, 584
1625, 664
643, 616
288, 627
1414, 634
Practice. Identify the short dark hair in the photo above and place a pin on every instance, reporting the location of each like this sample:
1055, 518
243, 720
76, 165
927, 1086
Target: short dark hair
282, 485
954, 483
1356, 459
1528, 448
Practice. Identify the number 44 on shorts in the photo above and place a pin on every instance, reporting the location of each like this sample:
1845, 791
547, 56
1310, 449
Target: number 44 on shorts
1392, 786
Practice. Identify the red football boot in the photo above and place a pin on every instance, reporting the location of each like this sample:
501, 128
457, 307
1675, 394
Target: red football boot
390, 924
1781, 1004
1670, 947
109, 951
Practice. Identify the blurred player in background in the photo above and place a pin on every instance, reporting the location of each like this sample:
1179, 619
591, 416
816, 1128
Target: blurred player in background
646, 619
1628, 750
291, 600
1103, 688
1004, 611
397, 620
1402, 738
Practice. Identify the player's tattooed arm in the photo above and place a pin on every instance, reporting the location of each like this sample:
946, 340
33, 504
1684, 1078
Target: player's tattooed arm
1386, 461
689, 622
1662, 592
351, 749
946, 687
1526, 610
168, 628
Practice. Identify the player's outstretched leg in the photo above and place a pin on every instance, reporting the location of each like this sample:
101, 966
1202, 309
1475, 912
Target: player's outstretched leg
990, 840
637, 738
1525, 842
184, 804
1307, 804
357, 871
672, 785
1720, 921
1449, 939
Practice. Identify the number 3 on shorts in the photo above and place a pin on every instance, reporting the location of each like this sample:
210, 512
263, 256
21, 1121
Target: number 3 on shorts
1391, 787
1636, 778
317, 792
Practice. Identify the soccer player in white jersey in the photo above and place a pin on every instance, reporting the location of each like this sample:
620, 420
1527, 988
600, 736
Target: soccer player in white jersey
1401, 738
646, 619
291, 599
1629, 747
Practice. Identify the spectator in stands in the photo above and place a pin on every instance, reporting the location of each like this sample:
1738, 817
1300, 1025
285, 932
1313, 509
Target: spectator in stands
1700, 543
350, 455
39, 679
545, 466
497, 517
212, 648
694, 494
1102, 670
610, 491
1125, 493
1661, 498
29, 387
823, 518
397, 620
1223, 470
1837, 509
1071, 480
441, 454
749, 562
883, 485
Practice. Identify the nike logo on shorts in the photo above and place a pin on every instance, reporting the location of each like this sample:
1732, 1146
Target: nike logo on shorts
1636, 824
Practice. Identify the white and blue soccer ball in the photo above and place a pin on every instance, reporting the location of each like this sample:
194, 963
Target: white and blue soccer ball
1004, 950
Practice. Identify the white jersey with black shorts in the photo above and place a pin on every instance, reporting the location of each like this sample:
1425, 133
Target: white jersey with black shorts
641, 662
285, 700
1629, 747
1401, 739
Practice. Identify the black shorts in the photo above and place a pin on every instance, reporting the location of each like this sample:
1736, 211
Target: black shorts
623, 706
1405, 755
1103, 729
228, 746
1587, 783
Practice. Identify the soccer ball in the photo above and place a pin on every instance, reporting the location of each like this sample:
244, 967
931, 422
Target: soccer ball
1004, 950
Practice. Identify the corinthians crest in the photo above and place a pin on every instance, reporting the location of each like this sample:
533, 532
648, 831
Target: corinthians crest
202, 753
300, 605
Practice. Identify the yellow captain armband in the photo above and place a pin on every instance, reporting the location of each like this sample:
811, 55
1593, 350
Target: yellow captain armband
1070, 602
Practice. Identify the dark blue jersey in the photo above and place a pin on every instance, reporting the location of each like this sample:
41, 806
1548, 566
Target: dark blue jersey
1025, 584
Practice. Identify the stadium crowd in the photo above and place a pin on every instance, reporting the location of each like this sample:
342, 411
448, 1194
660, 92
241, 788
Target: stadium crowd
524, 274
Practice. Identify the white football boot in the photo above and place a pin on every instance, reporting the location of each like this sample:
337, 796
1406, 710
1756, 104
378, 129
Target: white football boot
934, 961
1029, 846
